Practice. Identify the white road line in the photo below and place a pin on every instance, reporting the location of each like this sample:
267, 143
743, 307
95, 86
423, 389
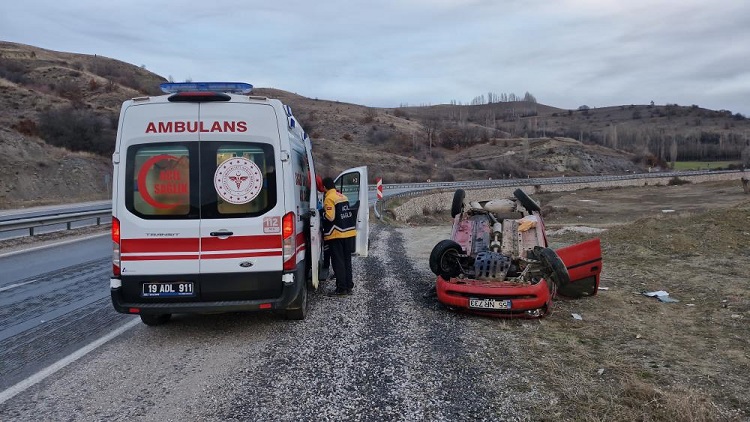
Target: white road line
65, 242
62, 363
13, 286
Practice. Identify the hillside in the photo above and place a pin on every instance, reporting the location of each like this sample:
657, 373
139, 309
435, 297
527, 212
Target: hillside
58, 118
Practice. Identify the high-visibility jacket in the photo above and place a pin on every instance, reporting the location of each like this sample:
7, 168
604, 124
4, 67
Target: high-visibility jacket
339, 220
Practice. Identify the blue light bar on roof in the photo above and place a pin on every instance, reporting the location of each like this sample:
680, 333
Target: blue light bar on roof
229, 87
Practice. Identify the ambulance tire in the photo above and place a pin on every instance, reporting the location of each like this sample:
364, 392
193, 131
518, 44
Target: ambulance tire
155, 319
301, 312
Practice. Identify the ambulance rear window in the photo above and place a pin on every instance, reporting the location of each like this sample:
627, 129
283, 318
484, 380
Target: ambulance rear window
190, 180
158, 183
242, 179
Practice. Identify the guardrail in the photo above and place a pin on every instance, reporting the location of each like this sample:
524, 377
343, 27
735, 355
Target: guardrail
415, 189
33, 223
544, 180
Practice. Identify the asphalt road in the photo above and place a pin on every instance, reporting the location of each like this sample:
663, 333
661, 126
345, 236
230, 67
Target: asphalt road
384, 353
53, 300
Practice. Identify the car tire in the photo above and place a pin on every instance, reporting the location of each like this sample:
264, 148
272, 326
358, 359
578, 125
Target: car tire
301, 312
526, 201
555, 269
457, 206
444, 259
153, 320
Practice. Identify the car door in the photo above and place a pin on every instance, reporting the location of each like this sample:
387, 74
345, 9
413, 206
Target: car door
584, 264
353, 183
315, 226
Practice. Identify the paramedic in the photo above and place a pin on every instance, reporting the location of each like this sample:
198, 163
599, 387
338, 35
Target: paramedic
339, 232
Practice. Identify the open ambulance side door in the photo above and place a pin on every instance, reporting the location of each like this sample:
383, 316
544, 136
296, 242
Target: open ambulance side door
316, 234
353, 183
584, 264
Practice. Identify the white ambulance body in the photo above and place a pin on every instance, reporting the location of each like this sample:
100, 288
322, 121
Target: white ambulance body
214, 205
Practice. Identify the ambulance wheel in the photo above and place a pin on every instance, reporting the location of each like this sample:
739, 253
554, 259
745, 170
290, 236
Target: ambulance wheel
155, 319
526, 201
458, 202
301, 312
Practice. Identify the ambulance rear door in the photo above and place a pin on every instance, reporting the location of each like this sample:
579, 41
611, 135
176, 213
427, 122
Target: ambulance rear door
241, 201
353, 183
158, 207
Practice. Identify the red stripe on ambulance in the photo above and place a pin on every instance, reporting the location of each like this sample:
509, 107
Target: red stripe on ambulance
241, 242
160, 245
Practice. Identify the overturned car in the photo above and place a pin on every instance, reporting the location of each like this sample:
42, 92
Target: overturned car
498, 263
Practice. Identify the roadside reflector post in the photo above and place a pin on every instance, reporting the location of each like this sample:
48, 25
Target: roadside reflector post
379, 190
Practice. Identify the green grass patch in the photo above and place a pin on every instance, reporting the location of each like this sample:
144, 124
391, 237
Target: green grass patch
703, 165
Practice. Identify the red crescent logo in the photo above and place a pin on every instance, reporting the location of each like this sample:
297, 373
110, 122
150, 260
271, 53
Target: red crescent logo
143, 172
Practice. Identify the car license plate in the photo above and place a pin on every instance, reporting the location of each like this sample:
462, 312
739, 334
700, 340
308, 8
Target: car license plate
488, 303
177, 288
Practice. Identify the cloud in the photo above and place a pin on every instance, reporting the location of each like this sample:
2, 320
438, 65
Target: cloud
566, 52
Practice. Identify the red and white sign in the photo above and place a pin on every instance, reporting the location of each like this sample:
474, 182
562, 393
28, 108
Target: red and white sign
238, 180
380, 188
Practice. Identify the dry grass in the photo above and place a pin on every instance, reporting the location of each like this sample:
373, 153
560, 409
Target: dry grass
635, 358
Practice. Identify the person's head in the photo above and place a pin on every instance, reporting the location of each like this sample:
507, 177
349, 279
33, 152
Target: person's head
328, 183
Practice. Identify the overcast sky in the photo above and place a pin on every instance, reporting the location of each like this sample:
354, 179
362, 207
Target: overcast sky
385, 53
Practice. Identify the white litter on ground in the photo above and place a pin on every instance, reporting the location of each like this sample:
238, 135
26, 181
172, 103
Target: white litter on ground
575, 229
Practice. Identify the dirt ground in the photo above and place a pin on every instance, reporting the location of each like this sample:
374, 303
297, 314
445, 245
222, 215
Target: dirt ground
633, 357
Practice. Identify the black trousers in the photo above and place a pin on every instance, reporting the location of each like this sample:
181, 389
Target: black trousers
341, 260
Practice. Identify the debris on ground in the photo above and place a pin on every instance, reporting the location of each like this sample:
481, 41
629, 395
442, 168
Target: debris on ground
662, 295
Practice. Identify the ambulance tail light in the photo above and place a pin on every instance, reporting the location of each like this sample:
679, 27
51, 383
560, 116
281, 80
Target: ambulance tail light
289, 241
115, 247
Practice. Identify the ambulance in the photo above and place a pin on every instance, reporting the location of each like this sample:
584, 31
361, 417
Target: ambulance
214, 205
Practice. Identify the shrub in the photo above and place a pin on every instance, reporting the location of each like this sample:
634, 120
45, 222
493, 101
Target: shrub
676, 181
401, 113
26, 127
70, 90
77, 130
12, 71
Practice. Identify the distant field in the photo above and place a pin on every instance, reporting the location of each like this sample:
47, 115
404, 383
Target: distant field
702, 165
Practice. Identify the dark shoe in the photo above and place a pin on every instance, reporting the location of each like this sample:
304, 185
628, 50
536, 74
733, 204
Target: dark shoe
348, 291
339, 293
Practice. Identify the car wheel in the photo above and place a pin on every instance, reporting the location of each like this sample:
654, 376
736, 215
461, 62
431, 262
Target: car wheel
444, 259
458, 202
155, 319
554, 269
301, 312
526, 201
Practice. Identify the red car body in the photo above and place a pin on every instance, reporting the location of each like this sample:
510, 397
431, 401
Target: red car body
507, 296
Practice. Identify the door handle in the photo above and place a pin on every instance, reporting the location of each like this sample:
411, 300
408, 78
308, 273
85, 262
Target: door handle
221, 233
